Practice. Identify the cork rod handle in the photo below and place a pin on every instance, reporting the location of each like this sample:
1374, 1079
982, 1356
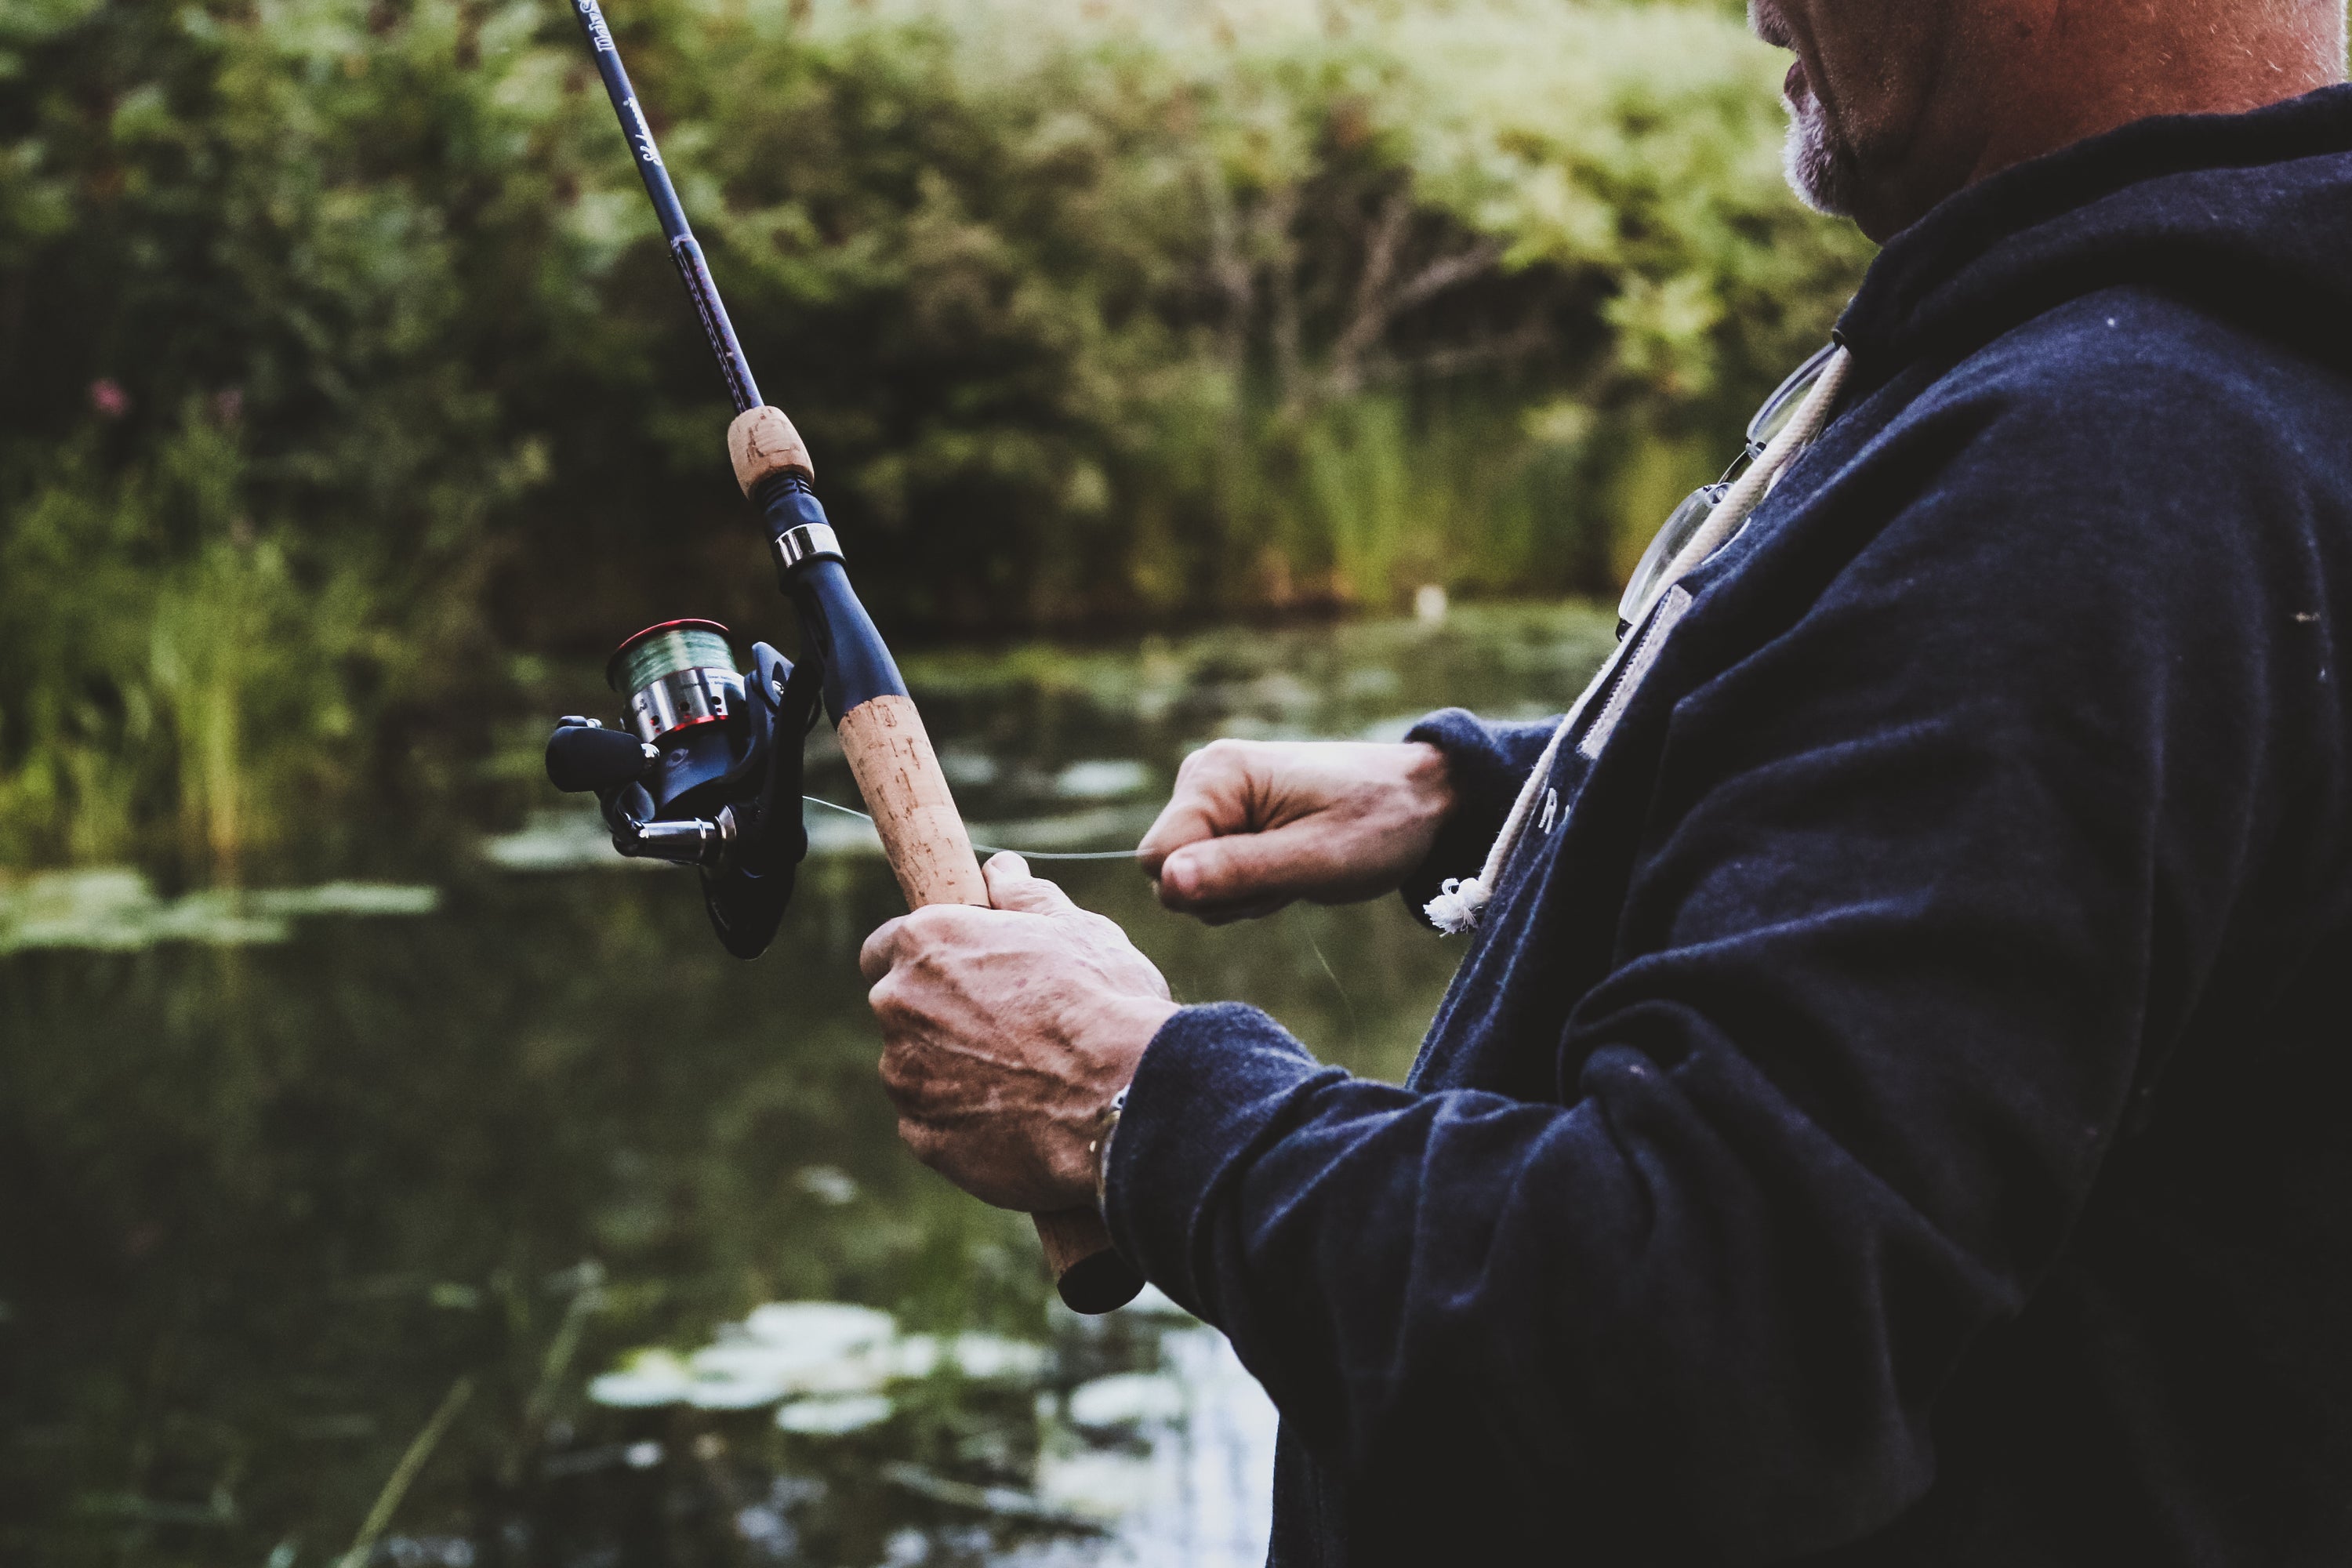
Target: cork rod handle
898, 774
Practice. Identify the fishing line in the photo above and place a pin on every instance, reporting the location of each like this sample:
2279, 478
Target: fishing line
1306, 922
1306, 925
998, 848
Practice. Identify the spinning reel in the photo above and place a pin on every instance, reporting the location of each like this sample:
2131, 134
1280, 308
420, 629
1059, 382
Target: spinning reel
708, 771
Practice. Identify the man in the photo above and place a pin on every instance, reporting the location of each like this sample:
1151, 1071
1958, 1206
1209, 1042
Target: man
1889, 1111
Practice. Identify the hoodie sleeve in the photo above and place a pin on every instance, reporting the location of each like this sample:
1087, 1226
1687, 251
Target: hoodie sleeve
1914, 884
1486, 763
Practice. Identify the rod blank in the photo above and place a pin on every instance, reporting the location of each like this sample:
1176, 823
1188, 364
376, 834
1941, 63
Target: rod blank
684, 249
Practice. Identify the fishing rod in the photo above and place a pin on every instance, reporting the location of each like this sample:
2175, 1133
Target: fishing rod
708, 770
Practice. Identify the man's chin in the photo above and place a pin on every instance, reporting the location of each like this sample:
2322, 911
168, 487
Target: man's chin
1820, 168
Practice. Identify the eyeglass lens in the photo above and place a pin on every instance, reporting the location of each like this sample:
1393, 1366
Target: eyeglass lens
1680, 525
1687, 519
1782, 406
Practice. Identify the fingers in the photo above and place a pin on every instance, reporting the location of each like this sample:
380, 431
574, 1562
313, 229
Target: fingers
1230, 914
894, 940
1236, 842
1011, 886
1186, 819
1212, 797
880, 951
1254, 873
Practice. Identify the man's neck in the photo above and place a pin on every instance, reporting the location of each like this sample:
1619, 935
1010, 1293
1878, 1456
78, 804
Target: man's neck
2020, 90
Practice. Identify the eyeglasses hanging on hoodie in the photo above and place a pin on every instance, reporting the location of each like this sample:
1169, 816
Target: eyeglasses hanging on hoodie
1686, 520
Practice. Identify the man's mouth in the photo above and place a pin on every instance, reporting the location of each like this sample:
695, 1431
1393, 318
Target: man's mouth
1765, 20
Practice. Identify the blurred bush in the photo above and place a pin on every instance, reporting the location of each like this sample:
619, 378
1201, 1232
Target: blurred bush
338, 361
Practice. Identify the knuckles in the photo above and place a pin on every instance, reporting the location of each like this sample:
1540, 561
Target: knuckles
933, 923
919, 961
874, 955
916, 939
1222, 758
1225, 757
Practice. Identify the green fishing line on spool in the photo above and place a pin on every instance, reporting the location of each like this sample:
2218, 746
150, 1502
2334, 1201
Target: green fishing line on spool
666, 652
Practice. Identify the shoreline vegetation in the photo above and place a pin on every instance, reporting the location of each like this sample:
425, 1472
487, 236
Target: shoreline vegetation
342, 377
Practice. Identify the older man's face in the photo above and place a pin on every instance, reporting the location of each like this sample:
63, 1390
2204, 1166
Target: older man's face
1856, 89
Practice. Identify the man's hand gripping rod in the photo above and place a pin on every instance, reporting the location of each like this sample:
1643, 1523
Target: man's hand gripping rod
880, 733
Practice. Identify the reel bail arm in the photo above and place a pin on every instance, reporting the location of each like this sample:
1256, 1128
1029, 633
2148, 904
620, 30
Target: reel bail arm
584, 756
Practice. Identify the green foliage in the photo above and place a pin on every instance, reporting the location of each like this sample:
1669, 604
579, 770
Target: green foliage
339, 358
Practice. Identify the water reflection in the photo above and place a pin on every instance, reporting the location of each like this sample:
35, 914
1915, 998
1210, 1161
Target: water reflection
486, 1213
116, 907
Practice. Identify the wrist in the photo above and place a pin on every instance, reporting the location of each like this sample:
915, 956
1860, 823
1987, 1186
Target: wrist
1099, 1150
1429, 787
1125, 1032
1137, 1023
1431, 776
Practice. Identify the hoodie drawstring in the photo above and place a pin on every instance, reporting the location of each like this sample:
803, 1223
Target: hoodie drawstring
1459, 905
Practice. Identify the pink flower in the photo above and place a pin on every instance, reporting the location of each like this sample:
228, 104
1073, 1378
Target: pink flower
108, 398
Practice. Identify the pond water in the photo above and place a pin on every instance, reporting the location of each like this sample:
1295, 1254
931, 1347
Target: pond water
467, 1205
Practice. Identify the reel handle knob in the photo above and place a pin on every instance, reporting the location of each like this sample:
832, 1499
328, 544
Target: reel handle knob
583, 756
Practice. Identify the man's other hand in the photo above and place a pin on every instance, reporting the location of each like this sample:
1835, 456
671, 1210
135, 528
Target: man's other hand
1256, 824
1006, 1031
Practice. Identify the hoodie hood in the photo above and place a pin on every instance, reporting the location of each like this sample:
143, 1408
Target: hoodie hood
2245, 216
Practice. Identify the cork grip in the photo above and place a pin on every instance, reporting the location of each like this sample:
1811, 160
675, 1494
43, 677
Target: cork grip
762, 442
898, 774
899, 777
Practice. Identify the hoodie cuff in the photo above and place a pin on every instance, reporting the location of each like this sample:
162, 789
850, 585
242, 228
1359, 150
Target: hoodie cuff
1211, 1090
1486, 763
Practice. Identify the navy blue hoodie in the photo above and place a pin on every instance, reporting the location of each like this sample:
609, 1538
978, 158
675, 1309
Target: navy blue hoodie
1896, 1115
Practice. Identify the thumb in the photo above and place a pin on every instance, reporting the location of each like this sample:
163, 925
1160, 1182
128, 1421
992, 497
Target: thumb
1011, 886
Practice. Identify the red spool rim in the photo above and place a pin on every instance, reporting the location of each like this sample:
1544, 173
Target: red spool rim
612, 664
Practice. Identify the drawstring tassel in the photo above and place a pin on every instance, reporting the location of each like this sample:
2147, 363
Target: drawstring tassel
1462, 901
1454, 910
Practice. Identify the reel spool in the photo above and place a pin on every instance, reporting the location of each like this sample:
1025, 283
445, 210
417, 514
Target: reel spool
674, 675
681, 688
